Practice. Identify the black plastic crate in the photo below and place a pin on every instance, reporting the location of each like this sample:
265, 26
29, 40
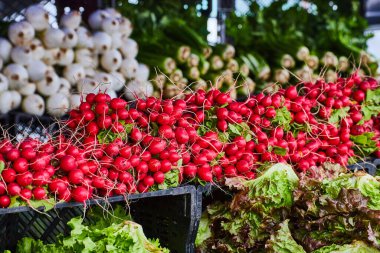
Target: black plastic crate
370, 165
169, 215
37, 127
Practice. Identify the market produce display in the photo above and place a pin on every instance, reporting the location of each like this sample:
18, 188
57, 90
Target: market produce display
115, 232
112, 147
286, 42
180, 58
280, 212
46, 69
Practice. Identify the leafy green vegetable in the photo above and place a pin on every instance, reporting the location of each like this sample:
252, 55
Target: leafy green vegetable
126, 236
283, 118
282, 241
355, 247
338, 114
204, 231
365, 183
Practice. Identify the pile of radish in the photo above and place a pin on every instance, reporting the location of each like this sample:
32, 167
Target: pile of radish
110, 146
46, 70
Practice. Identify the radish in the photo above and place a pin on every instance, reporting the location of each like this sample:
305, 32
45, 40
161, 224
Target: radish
37, 16
76, 176
26, 194
5, 201
39, 193
20, 33
8, 175
24, 179
33, 104
14, 189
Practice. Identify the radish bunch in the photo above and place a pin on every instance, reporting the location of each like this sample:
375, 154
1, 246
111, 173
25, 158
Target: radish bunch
111, 147
46, 69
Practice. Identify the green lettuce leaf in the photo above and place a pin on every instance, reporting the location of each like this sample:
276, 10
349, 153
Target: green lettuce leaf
282, 241
355, 247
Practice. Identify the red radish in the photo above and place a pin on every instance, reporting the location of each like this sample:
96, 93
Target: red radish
166, 132
156, 146
76, 176
28, 153
136, 135
98, 182
104, 122
2, 188
205, 174
181, 135
163, 119
141, 187
68, 163
159, 177
291, 92
13, 154
58, 186
5, 201
142, 167
190, 171
120, 189
148, 181
125, 152
122, 163
154, 165
111, 174
84, 106
112, 149
24, 179
20, 165
146, 156
14, 189
8, 175
134, 160
118, 103
80, 194
359, 96
125, 177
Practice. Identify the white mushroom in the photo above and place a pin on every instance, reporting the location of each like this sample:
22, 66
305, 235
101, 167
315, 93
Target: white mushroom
5, 102
37, 49
37, 16
96, 18
51, 56
111, 60
129, 48
75, 101
125, 26
117, 40
36, 70
5, 49
33, 104
71, 20
102, 41
21, 33
87, 85
17, 75
85, 57
27, 89
65, 56
16, 99
118, 81
138, 89
129, 68
4, 84
73, 73
71, 38
49, 85
53, 38
85, 39
110, 25
57, 105
142, 73
21, 55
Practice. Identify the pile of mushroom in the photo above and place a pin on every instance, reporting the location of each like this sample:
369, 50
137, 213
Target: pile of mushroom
47, 69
